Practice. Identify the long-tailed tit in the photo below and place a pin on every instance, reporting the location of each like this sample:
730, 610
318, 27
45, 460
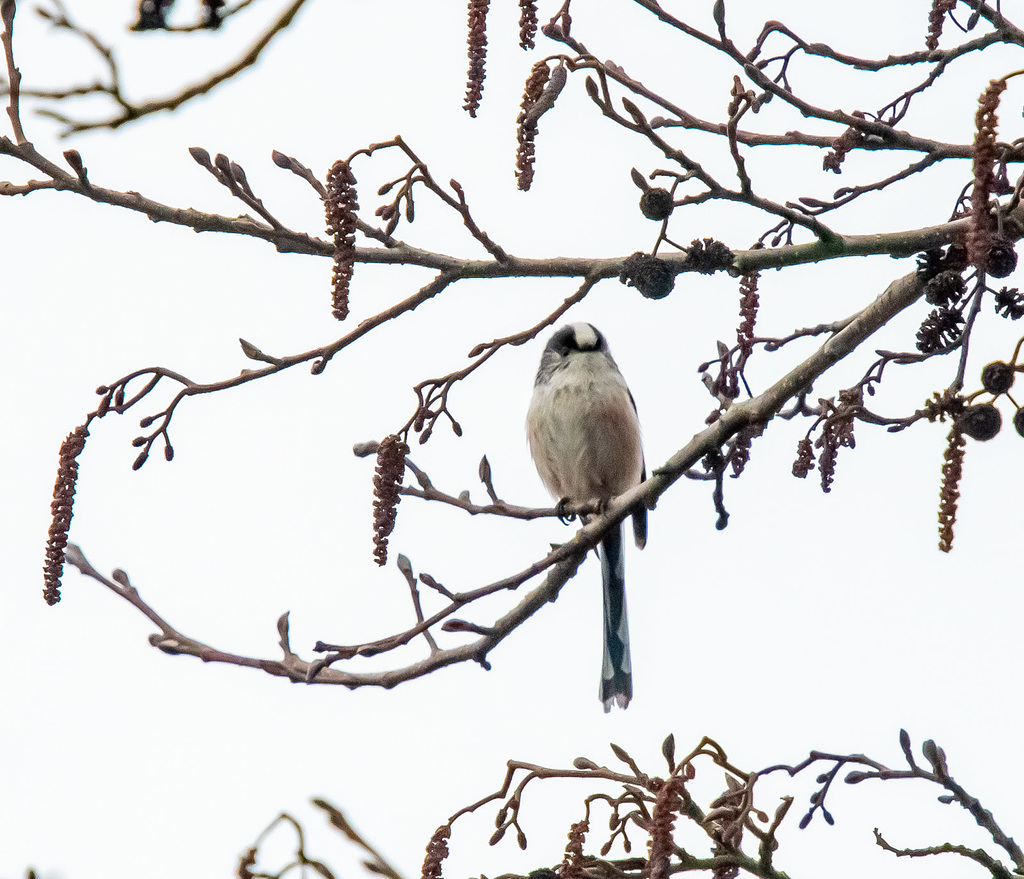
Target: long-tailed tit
585, 440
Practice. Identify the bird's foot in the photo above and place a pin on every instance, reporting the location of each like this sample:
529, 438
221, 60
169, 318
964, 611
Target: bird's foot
565, 516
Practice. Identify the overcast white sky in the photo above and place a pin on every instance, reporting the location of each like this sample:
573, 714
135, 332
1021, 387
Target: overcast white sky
811, 622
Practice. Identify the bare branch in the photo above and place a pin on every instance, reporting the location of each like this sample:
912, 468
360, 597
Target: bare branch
560, 564
7, 10
128, 111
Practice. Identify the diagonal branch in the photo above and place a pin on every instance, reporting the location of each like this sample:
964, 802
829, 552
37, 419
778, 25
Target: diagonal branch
130, 112
561, 564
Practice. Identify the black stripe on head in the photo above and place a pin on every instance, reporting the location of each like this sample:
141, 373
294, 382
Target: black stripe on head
577, 337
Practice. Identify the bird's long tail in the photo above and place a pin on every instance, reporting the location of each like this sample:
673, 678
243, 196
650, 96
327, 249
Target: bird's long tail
616, 669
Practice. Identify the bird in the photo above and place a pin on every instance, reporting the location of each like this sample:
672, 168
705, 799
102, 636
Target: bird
584, 436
